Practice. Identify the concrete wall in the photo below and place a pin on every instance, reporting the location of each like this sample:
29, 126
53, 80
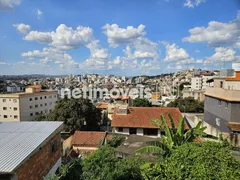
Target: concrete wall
67, 144
213, 110
40, 164
10, 104
139, 132
43, 105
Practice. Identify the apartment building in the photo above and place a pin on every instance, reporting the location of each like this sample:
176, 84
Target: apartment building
222, 103
198, 83
25, 106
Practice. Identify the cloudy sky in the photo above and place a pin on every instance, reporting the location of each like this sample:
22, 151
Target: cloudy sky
122, 37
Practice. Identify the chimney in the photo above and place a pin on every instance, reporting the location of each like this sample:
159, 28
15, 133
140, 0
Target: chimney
122, 109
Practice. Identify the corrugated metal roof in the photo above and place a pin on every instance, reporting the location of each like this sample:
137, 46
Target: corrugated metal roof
19, 139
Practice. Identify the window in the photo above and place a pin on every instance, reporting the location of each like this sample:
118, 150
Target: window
132, 131
36, 113
45, 104
221, 84
30, 99
41, 112
45, 97
54, 146
14, 100
40, 105
150, 132
36, 98
4, 108
45, 111
217, 121
41, 97
10, 100
4, 100
31, 114
30, 107
120, 129
226, 105
5, 116
50, 96
15, 117
55, 96
219, 102
36, 106
15, 108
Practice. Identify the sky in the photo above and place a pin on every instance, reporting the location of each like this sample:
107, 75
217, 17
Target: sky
121, 37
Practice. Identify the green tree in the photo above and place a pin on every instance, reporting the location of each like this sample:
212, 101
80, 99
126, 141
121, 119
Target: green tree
181, 86
188, 104
141, 102
206, 160
104, 165
115, 141
77, 114
175, 136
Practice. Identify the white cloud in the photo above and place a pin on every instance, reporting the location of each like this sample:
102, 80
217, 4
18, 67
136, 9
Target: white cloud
40, 37
193, 3
216, 33
199, 61
39, 13
45, 60
22, 28
118, 36
8, 4
2, 63
64, 37
222, 54
175, 53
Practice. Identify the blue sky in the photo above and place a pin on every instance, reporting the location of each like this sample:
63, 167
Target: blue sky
117, 37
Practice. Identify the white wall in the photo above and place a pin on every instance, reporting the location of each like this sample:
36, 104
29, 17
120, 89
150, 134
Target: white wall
10, 104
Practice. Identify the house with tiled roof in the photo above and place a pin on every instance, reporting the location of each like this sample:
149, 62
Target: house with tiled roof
138, 120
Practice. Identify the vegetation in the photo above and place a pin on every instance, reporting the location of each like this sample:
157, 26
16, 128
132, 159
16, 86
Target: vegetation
141, 102
175, 136
181, 86
115, 141
206, 160
188, 104
77, 114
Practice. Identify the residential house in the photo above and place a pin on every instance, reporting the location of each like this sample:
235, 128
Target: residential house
29, 150
138, 120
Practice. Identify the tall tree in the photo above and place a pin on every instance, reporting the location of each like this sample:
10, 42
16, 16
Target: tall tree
77, 114
141, 102
188, 104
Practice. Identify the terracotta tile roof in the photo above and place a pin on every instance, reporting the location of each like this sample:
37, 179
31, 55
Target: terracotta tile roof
234, 126
102, 106
141, 117
87, 138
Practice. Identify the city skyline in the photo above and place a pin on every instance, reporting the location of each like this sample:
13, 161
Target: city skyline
120, 37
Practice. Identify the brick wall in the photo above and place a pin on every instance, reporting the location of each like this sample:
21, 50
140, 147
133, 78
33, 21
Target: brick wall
38, 166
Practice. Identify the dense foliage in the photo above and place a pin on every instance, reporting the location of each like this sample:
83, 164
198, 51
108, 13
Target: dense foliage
115, 141
181, 86
77, 114
141, 102
188, 104
206, 160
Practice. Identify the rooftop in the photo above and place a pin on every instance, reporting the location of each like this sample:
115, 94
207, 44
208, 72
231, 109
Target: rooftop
19, 140
141, 117
87, 138
224, 94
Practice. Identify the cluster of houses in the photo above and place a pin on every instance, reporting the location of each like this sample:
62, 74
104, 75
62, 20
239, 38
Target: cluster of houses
35, 150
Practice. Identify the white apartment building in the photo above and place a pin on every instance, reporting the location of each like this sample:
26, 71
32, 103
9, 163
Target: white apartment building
27, 105
198, 83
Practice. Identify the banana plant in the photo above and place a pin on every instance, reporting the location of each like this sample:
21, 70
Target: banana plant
173, 136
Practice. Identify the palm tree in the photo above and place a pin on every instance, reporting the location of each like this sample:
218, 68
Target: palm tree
173, 137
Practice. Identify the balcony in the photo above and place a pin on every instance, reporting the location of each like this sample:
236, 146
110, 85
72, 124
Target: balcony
225, 94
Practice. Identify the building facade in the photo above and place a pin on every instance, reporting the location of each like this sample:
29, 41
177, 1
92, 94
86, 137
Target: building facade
222, 103
29, 150
27, 105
